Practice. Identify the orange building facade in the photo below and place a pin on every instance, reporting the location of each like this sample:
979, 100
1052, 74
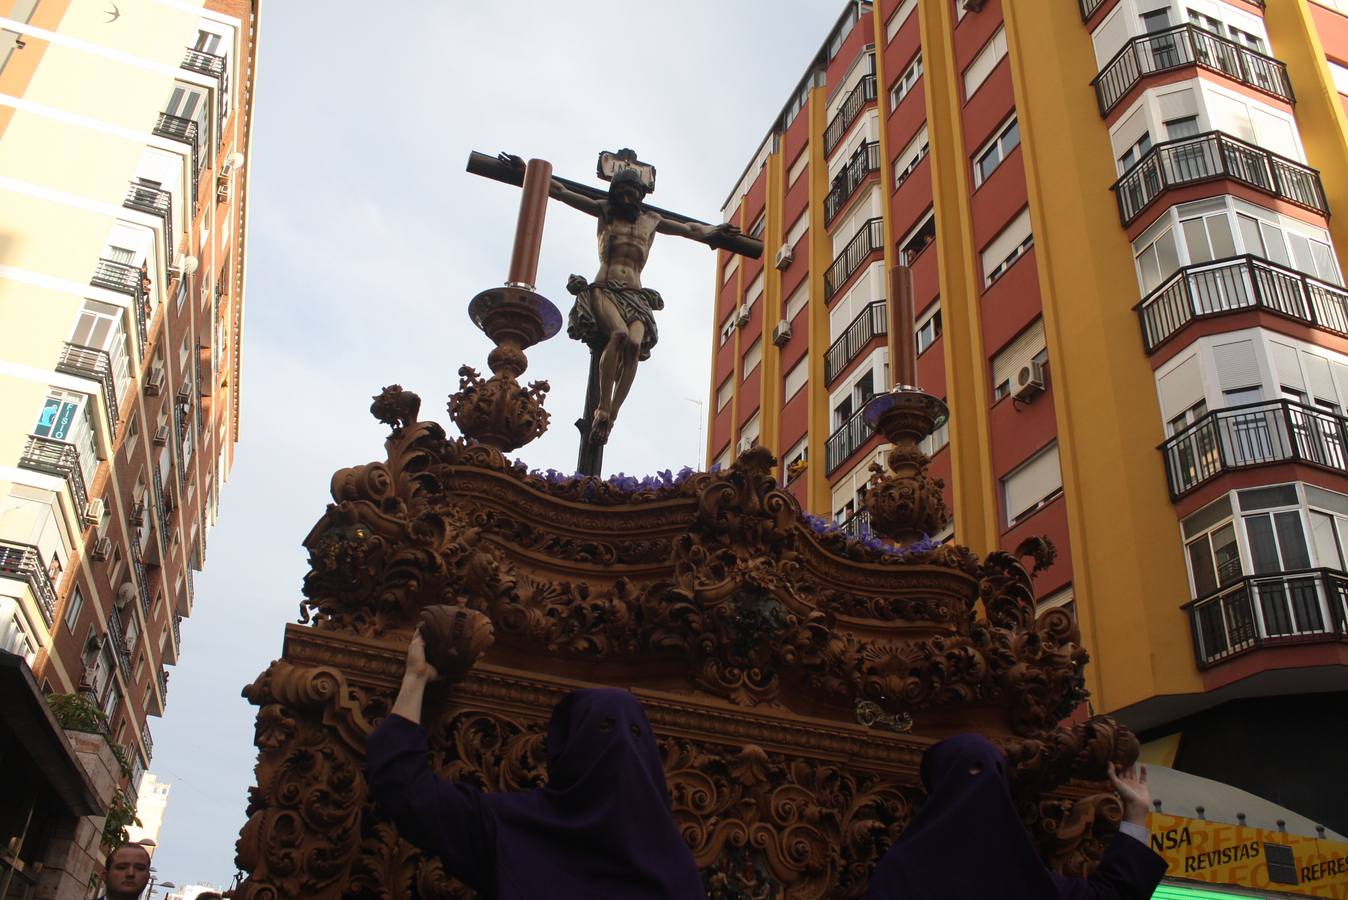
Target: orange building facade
1116, 219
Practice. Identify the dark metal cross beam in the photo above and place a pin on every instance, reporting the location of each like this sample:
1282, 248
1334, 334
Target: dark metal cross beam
610, 376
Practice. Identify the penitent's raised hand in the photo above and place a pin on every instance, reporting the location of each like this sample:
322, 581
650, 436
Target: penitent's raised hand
1131, 784
418, 674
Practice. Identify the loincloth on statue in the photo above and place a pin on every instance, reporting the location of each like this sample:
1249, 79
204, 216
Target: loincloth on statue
633, 304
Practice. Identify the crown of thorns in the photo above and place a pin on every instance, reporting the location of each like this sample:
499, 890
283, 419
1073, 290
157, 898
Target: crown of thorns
629, 176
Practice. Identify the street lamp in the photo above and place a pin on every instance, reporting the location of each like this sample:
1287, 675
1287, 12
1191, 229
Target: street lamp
165, 886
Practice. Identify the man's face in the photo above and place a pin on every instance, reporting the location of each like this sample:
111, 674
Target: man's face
129, 872
626, 196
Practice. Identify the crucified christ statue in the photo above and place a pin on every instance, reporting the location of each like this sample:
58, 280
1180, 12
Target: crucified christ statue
614, 314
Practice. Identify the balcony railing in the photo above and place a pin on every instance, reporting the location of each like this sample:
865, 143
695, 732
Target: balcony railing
845, 441
1305, 606
865, 161
1213, 155
57, 458
1183, 46
184, 131
1234, 285
868, 239
851, 107
161, 507
146, 740
117, 635
23, 562
1255, 434
163, 686
86, 362
178, 630
871, 321
205, 63
125, 279
859, 526
142, 582
156, 202
1088, 8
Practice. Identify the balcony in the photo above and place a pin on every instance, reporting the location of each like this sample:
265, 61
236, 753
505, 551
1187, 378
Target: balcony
204, 63
871, 321
865, 161
868, 239
851, 108
1255, 434
1273, 610
146, 741
1235, 285
1181, 47
54, 457
117, 635
1208, 157
156, 202
859, 526
23, 562
125, 279
845, 441
142, 583
86, 362
184, 131
163, 686
1088, 8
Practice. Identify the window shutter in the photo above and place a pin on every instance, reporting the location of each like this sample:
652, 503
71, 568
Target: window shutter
1318, 379
1236, 365
1032, 482
1017, 354
1181, 388
1011, 237
795, 379
754, 356
1286, 367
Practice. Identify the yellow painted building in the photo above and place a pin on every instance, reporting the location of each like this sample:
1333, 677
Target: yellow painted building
1116, 219
124, 137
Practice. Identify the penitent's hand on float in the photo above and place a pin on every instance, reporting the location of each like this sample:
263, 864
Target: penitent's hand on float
1131, 784
419, 673
417, 666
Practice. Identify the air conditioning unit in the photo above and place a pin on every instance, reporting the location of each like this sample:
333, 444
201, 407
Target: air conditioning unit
785, 254
125, 594
742, 315
93, 513
1029, 381
94, 645
781, 332
161, 436
138, 514
102, 549
185, 393
154, 382
973, 5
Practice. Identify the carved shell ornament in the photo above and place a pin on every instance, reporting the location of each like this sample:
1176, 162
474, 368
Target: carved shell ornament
792, 673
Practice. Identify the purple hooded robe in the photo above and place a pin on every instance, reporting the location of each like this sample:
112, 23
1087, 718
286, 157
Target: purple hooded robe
601, 828
968, 841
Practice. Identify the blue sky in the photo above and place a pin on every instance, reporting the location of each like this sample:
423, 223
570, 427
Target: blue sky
367, 240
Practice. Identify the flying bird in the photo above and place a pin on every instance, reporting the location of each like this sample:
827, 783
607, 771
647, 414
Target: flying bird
113, 14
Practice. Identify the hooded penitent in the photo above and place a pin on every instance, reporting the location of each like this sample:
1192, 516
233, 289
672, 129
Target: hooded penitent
968, 841
602, 827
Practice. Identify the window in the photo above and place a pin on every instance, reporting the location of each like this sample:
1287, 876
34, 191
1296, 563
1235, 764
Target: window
727, 328
59, 416
732, 265
725, 392
795, 379
132, 633
1063, 598
798, 168
1183, 127
918, 239
1013, 242
1135, 152
1282, 864
722, 459
754, 292
983, 64
797, 229
74, 605
1157, 259
912, 155
1023, 349
753, 356
997, 150
1339, 73
1032, 484
937, 440
907, 81
797, 301
761, 223
929, 327
749, 431
900, 16
794, 462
